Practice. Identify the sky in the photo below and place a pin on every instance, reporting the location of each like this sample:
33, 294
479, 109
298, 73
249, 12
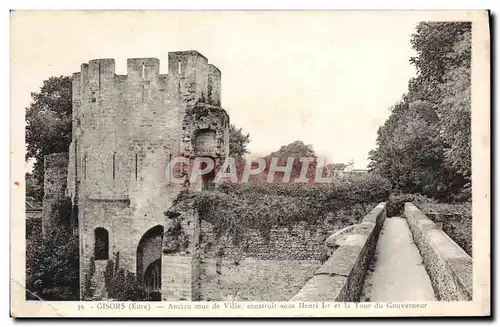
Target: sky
327, 78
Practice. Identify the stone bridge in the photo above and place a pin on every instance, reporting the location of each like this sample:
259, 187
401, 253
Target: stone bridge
386, 259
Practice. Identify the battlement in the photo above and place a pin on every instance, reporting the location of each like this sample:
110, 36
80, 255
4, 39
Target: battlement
143, 69
189, 53
179, 63
189, 75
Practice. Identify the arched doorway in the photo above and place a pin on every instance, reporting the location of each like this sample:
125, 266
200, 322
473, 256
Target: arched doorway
149, 253
152, 279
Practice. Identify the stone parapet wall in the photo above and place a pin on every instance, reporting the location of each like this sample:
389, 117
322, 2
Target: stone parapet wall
448, 265
341, 277
253, 280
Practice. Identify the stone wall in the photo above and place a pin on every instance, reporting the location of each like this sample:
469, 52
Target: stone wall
448, 266
253, 280
180, 259
125, 227
151, 248
55, 170
458, 226
197, 265
299, 242
341, 277
255, 267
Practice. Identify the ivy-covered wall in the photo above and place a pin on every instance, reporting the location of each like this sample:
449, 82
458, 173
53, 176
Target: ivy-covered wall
256, 238
298, 242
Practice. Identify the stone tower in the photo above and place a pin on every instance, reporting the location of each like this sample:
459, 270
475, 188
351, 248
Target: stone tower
125, 130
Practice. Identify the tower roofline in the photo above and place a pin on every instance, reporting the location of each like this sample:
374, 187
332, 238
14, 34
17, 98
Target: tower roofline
189, 52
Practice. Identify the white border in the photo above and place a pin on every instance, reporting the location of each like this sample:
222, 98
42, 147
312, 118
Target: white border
186, 4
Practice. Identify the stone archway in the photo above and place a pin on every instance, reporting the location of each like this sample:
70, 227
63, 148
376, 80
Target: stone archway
152, 279
149, 253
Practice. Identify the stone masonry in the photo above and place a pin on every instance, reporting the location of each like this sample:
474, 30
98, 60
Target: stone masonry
55, 171
126, 128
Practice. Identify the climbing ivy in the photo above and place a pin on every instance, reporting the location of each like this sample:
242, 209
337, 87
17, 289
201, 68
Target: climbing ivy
396, 202
52, 264
201, 110
122, 285
88, 291
234, 209
108, 275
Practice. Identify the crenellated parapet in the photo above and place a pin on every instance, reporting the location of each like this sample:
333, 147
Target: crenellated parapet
189, 74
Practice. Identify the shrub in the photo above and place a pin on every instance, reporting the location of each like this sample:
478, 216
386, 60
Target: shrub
234, 214
235, 208
33, 253
52, 265
109, 273
366, 188
87, 287
396, 202
53, 274
122, 285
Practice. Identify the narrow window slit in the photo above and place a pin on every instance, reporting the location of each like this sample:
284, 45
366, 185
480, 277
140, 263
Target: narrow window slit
169, 170
114, 157
99, 75
85, 167
136, 166
76, 157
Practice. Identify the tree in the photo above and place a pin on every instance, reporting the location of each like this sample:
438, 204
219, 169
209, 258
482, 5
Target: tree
455, 109
296, 150
49, 124
443, 63
337, 166
424, 146
434, 43
53, 263
410, 154
238, 142
55, 269
33, 189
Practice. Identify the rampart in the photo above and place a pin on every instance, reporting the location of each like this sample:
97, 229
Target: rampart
341, 277
448, 266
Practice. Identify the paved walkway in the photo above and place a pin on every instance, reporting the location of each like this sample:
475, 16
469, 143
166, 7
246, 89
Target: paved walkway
396, 272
